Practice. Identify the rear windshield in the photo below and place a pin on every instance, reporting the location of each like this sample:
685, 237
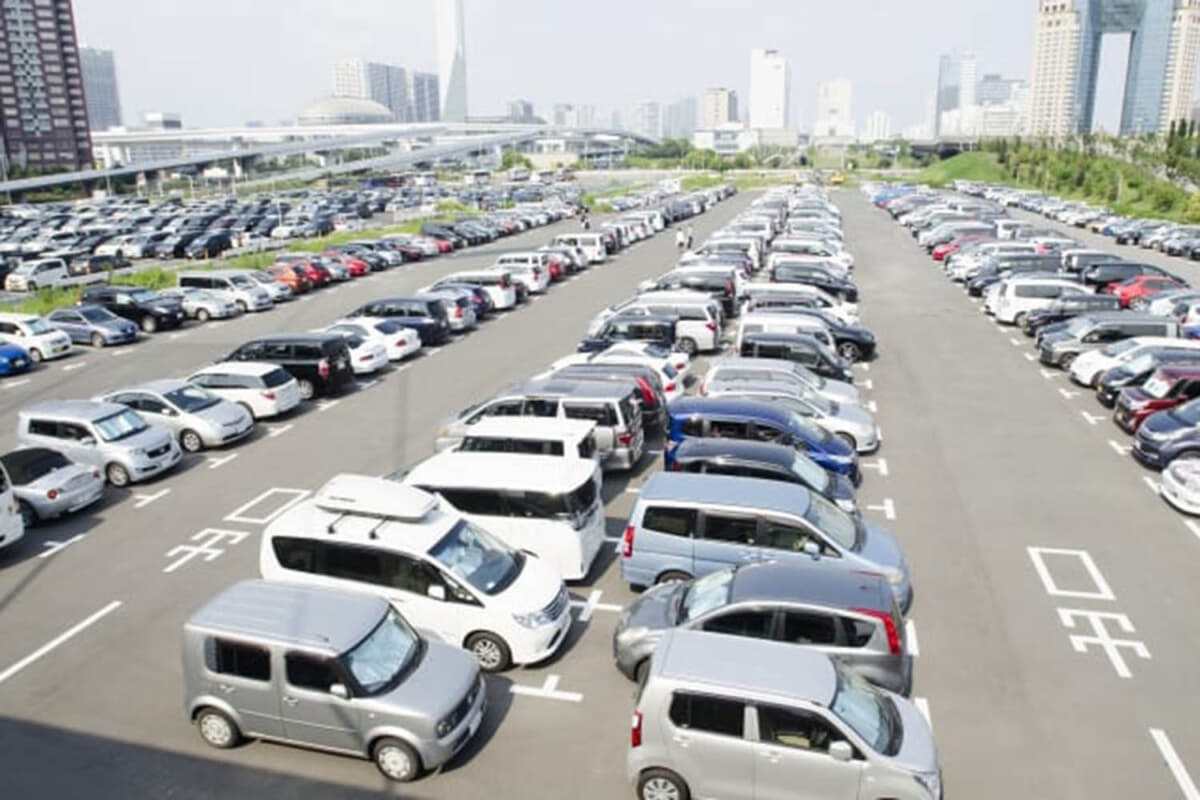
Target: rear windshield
505, 444
276, 377
30, 469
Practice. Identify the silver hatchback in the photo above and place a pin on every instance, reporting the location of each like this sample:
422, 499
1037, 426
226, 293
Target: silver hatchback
47, 484
195, 416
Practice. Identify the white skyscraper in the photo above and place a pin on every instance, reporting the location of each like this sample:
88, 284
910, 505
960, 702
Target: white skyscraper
879, 127
452, 60
968, 81
717, 107
384, 83
769, 90
647, 119
834, 110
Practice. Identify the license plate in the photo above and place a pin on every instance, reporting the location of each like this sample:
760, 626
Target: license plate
20, 362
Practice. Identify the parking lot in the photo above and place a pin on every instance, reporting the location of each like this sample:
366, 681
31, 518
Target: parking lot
1050, 582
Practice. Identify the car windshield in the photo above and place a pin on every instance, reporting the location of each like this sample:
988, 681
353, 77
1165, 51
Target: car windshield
384, 655
1123, 346
1138, 365
812, 431
1157, 387
831, 521
480, 559
241, 281
861, 706
27, 470
705, 594
1188, 413
120, 426
1078, 326
190, 399
38, 326
810, 472
142, 296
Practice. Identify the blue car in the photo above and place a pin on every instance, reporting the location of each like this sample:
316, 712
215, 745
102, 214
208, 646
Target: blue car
13, 360
94, 325
754, 420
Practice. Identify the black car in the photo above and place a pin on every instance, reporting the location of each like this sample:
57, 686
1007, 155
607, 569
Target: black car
800, 348
209, 245
657, 328
775, 462
174, 245
1137, 371
852, 342
320, 362
142, 306
1064, 308
1104, 273
481, 301
815, 275
426, 315
443, 233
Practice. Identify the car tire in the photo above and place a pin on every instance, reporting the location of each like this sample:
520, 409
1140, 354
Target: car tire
29, 517
31, 286
1064, 362
490, 651
1019, 320
217, 729
688, 345
662, 784
672, 575
149, 324
307, 390
396, 760
249, 410
202, 315
117, 475
849, 351
242, 307
848, 439
97, 341
190, 441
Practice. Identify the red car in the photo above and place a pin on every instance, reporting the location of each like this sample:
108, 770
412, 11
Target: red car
356, 266
556, 268
1166, 388
1142, 287
942, 250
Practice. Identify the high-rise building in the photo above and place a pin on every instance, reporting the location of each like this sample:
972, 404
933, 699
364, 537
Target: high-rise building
564, 115
100, 88
879, 127
947, 97
368, 80
615, 122
43, 116
996, 89
770, 86
835, 117
520, 111
647, 119
585, 116
968, 80
717, 107
424, 97
1164, 50
452, 60
679, 118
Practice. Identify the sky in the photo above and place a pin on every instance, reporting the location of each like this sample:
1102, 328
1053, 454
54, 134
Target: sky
225, 62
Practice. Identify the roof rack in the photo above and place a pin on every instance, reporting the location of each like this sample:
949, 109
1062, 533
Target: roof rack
365, 496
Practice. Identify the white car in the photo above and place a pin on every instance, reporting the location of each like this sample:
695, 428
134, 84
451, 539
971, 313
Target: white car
1014, 298
42, 340
367, 353
672, 380
265, 390
399, 341
498, 284
535, 279
1087, 367
30, 276
1180, 485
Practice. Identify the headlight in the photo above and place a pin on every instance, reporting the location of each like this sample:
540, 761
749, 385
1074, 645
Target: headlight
534, 619
444, 727
140, 452
932, 781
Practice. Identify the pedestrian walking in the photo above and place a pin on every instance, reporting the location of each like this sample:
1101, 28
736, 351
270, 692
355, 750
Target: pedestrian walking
688, 231
586, 221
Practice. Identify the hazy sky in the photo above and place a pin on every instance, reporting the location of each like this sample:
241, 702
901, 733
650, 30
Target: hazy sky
228, 61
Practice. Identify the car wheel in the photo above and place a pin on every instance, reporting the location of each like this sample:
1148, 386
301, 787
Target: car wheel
1019, 320
149, 324
672, 575
849, 351
396, 760
32, 286
490, 651
117, 475
217, 729
688, 345
97, 340
248, 410
1064, 362
661, 784
306, 389
202, 315
191, 442
848, 439
29, 517
242, 307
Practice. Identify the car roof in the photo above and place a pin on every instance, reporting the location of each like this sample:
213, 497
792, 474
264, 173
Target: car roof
1176, 371
160, 386
752, 362
755, 665
570, 387
79, 409
320, 618
306, 338
740, 449
727, 490
9, 316
532, 427
486, 470
1127, 316
810, 583
238, 368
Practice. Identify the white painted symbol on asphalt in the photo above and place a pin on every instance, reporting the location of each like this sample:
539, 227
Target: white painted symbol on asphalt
278, 430
1048, 373
1121, 449
325, 405
293, 496
1067, 393
880, 464
1101, 589
214, 462
592, 605
548, 690
178, 335
887, 507
207, 548
872, 407
143, 500
868, 384
53, 547
1015, 341
1029, 356
1092, 419
122, 351
15, 384
77, 365
1174, 763
1102, 639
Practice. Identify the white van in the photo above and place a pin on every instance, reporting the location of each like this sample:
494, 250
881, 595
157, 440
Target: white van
1018, 296
43, 273
1008, 228
450, 578
698, 328
846, 312
592, 245
536, 436
766, 322
238, 285
12, 524
535, 279
35, 334
547, 505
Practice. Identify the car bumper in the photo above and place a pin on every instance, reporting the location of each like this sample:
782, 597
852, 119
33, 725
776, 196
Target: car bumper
438, 752
1146, 455
540, 645
1178, 496
156, 466
225, 436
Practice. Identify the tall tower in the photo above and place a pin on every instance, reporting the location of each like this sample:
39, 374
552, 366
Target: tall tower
769, 90
100, 88
452, 60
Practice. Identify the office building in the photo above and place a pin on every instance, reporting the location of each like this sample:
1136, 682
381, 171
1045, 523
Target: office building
717, 107
563, 115
43, 116
615, 121
423, 95
100, 88
163, 120
452, 60
520, 111
1160, 78
879, 127
368, 80
647, 119
770, 86
946, 98
835, 118
679, 118
996, 89
968, 81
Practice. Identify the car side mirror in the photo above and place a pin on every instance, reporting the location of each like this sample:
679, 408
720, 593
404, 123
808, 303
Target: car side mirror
436, 592
841, 751
810, 548
340, 690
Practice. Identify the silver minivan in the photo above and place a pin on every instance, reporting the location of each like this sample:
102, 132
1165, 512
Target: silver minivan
106, 436
751, 719
334, 670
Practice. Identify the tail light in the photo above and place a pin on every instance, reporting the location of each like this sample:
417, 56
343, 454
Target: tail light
712, 326
889, 624
364, 358
323, 368
676, 466
647, 392
635, 731
670, 387
402, 341
625, 438
268, 395
458, 312
627, 542
52, 494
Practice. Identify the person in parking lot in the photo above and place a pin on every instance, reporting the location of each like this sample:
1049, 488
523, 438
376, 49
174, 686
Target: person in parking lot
688, 234
680, 239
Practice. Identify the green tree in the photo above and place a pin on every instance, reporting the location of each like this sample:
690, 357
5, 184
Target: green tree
512, 158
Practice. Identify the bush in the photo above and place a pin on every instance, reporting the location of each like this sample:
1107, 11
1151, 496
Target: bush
46, 300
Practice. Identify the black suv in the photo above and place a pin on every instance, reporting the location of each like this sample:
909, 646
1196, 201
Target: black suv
800, 348
815, 275
426, 315
320, 362
151, 312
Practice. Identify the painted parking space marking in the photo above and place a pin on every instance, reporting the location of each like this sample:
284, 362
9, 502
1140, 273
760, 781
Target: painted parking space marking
1067, 393
178, 334
880, 464
1029, 356
1102, 638
214, 462
1187, 786
16, 383
61, 639
864, 366
143, 500
871, 406
363, 386
1015, 341
76, 365
279, 430
120, 351
1048, 374
548, 691
207, 540
1193, 527
325, 405
592, 605
923, 706
887, 506
910, 638
53, 547
868, 384
1100, 590
1121, 449
273, 501
1092, 419
1151, 484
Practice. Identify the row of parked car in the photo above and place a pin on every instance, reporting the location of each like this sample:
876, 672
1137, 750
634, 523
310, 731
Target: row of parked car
1123, 329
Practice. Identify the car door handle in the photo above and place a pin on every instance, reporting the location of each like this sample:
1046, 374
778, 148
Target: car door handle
682, 741
291, 701
771, 755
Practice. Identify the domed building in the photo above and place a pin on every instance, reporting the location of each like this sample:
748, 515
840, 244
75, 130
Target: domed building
334, 110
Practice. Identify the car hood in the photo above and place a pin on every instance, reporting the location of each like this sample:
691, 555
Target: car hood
1160, 425
855, 416
880, 547
12, 351
1057, 337
223, 413
653, 609
151, 438
1092, 361
840, 392
118, 325
440, 681
534, 589
917, 749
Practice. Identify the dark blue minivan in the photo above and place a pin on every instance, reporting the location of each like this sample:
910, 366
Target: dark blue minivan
733, 418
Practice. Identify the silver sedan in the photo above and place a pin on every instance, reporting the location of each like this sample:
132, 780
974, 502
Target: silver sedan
47, 484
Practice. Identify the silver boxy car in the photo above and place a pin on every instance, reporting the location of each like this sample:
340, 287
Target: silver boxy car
195, 416
749, 719
47, 484
107, 436
777, 369
203, 304
333, 670
849, 616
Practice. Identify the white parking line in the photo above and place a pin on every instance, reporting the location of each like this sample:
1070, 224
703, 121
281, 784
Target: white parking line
872, 407
1015, 341
593, 604
868, 384
1048, 374
910, 638
433, 351
1121, 449
143, 500
278, 430
368, 384
548, 690
213, 463
888, 507
58, 640
864, 366
1092, 419
1186, 785
325, 405
1151, 484
880, 464
1193, 527
1029, 356
1067, 393
121, 351
923, 706
178, 334
53, 547
15, 384
77, 365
